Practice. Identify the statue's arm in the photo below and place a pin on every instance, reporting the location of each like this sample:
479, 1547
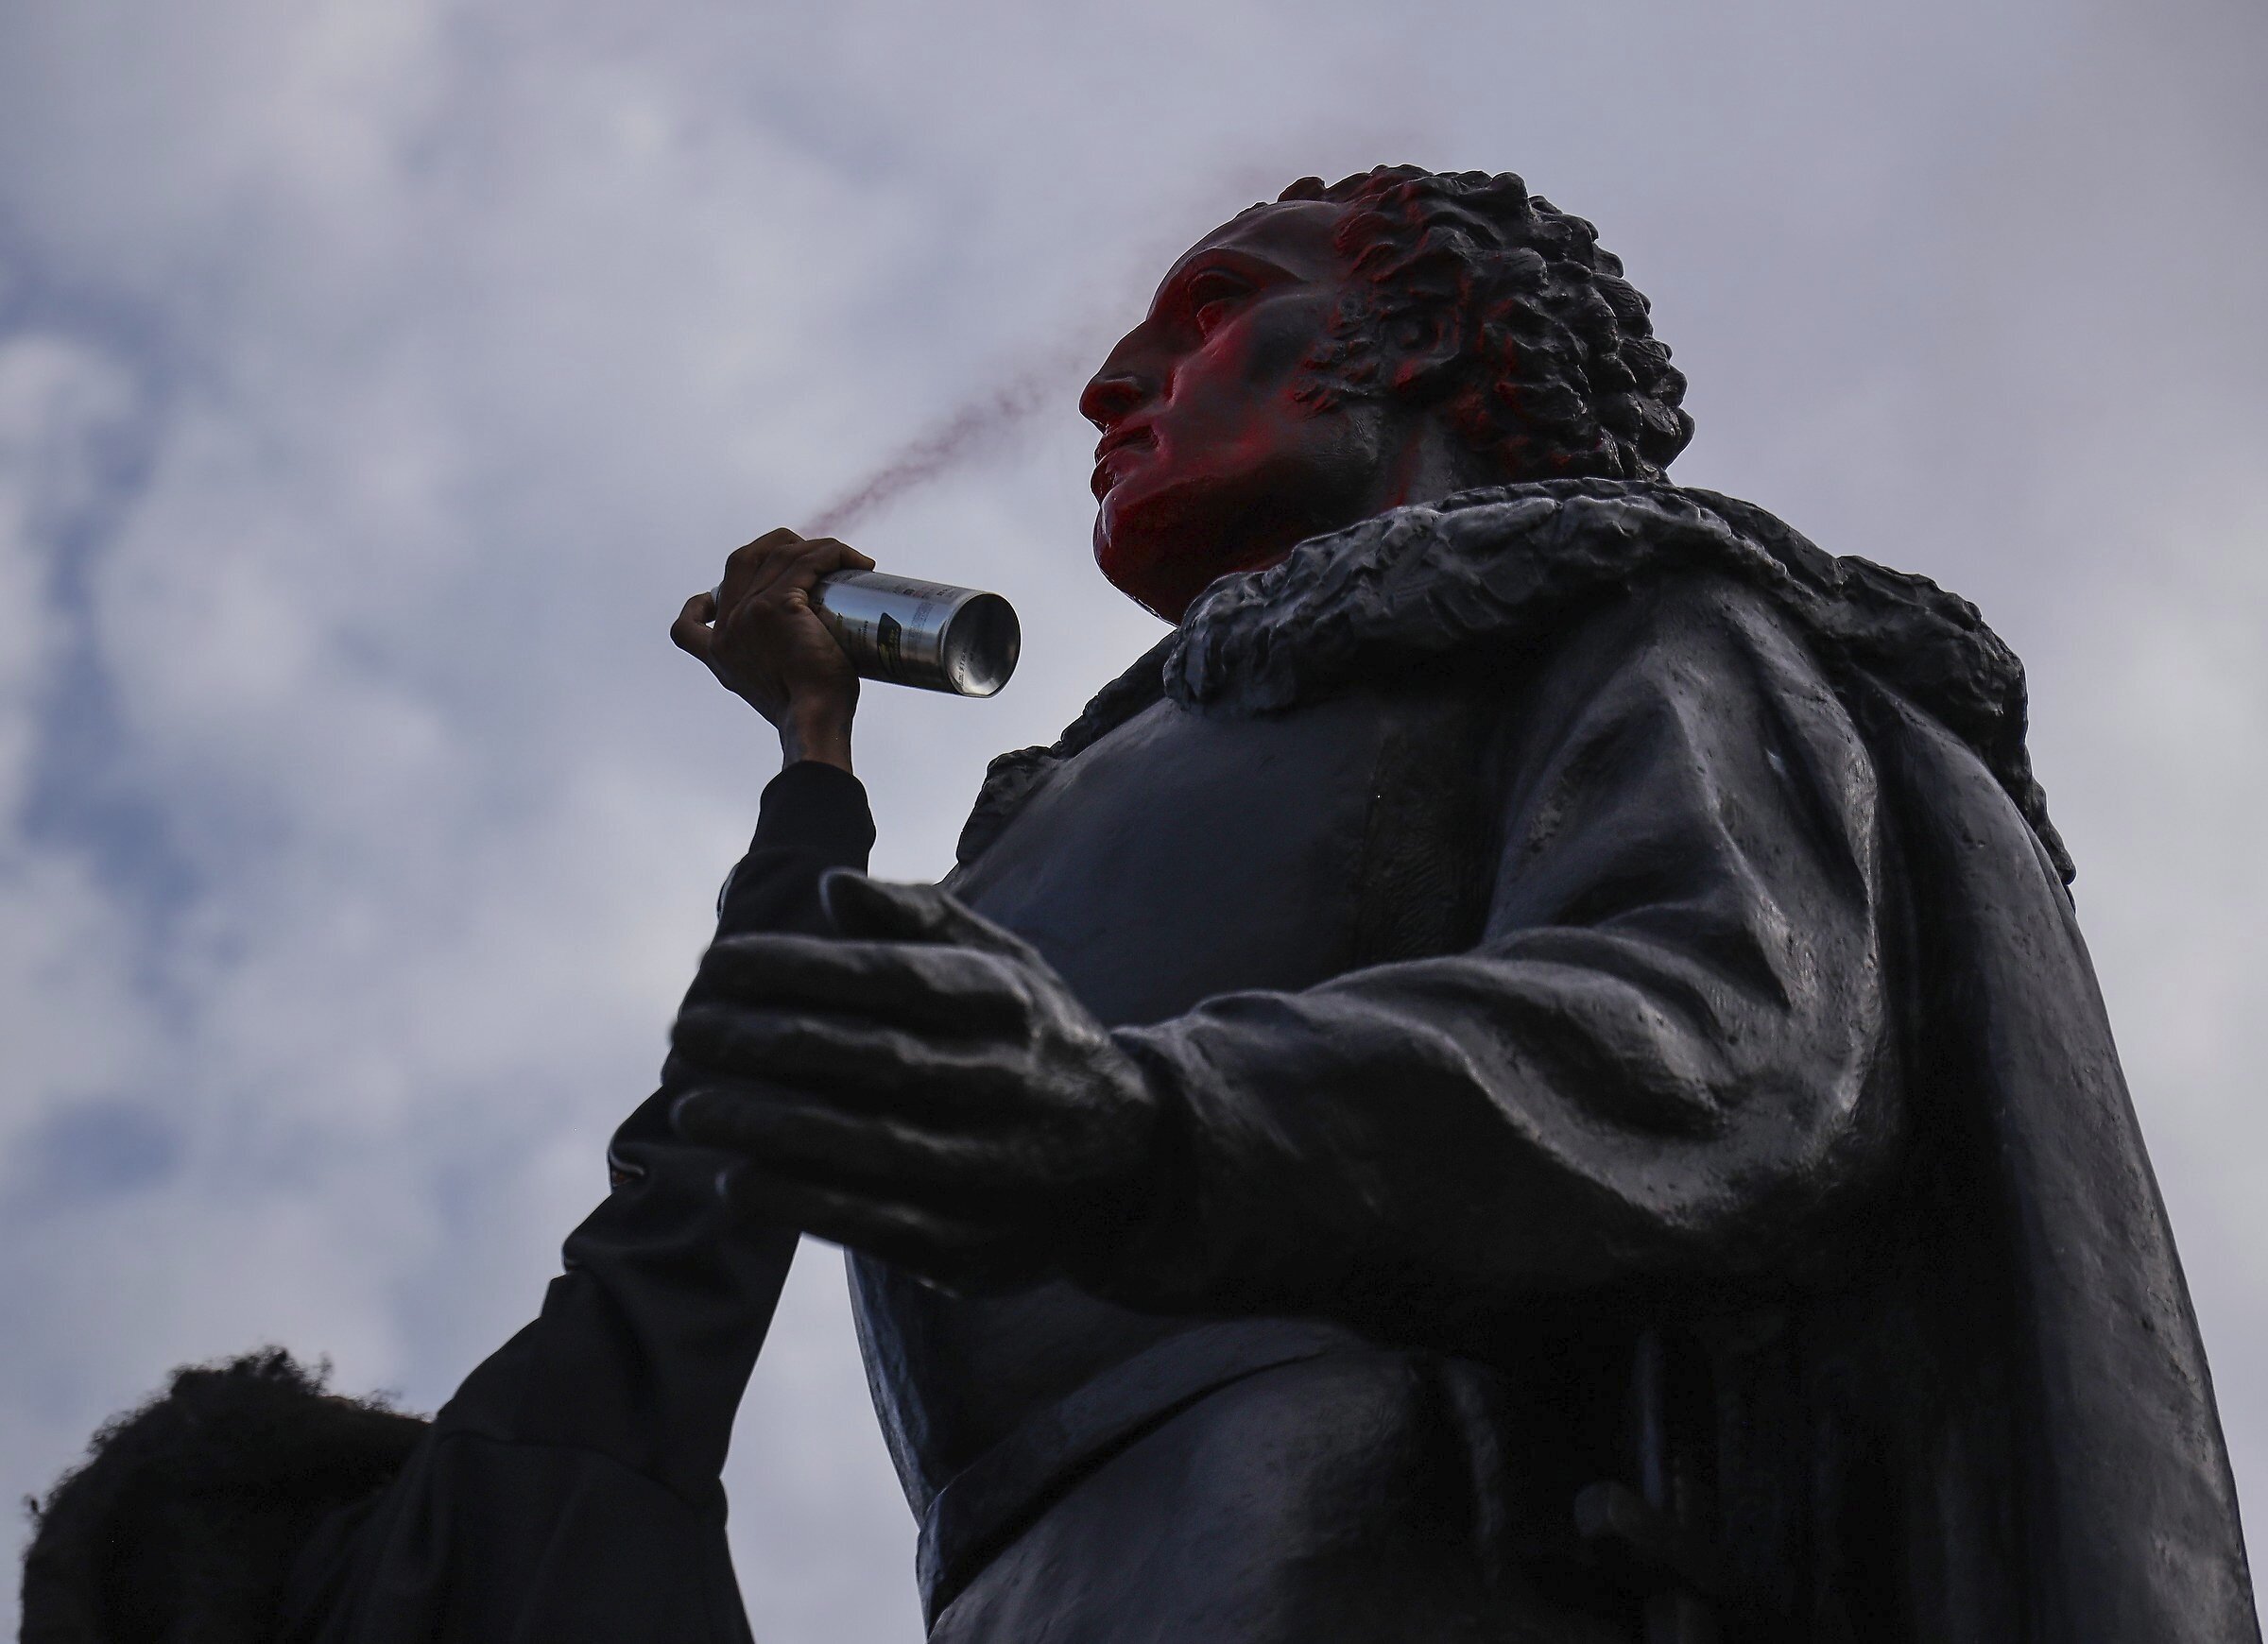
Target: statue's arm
570, 1489
1666, 1059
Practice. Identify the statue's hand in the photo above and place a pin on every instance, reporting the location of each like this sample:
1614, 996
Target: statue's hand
758, 634
923, 1088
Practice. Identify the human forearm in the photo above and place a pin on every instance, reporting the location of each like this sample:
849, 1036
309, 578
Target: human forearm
818, 732
645, 1339
814, 817
569, 1490
647, 1335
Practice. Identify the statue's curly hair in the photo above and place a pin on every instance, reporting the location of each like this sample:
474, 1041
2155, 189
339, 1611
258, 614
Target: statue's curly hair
1473, 292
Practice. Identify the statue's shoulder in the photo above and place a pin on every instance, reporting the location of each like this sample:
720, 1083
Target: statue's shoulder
1500, 568
1503, 572
1504, 569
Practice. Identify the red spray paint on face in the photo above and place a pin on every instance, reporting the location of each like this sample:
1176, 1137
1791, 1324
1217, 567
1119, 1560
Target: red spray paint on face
1214, 456
1217, 456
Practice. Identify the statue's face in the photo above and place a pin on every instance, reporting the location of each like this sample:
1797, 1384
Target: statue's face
1208, 463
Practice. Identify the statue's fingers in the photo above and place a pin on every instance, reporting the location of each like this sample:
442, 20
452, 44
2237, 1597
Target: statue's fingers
793, 1133
792, 1141
955, 1251
927, 988
796, 1132
873, 907
856, 1061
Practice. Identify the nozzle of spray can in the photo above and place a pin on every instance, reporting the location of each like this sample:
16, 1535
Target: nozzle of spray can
930, 635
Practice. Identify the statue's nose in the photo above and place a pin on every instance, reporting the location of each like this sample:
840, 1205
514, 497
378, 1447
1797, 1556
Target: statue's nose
1112, 393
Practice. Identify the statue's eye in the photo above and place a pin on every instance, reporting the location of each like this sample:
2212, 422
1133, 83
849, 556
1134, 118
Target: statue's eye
1213, 297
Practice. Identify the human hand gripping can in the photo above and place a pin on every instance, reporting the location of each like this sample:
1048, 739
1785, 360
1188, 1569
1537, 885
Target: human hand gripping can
930, 635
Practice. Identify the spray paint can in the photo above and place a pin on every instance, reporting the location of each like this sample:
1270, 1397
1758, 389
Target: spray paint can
930, 635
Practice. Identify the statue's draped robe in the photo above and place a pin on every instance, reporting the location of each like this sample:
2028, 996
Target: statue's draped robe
1568, 921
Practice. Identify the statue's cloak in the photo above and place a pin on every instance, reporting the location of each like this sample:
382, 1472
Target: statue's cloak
2013, 1387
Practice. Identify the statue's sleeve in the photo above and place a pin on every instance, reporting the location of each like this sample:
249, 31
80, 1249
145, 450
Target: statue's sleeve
569, 1490
1665, 1059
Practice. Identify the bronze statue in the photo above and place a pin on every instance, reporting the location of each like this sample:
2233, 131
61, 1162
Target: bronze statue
1527, 1073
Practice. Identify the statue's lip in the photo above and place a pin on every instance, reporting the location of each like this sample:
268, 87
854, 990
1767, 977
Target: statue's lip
1125, 435
1112, 445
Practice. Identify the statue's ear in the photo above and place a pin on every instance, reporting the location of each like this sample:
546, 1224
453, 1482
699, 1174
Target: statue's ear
1430, 349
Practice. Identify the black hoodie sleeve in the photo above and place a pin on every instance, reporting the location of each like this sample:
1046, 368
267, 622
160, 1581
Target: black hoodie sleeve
569, 1490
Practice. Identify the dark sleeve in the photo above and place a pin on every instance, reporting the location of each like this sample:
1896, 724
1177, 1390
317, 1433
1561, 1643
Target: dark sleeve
1667, 1058
569, 1490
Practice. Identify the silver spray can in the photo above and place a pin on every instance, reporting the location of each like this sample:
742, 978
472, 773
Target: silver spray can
926, 634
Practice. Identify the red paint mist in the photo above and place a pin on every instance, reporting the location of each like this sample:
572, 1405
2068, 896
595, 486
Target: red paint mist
1216, 457
966, 433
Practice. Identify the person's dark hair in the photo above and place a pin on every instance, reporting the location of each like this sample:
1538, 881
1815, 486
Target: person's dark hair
181, 1524
1470, 290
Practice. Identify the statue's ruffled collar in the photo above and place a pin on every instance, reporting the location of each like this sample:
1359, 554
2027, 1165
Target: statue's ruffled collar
1500, 568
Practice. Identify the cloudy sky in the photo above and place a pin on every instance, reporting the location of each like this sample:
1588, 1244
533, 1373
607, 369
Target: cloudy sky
376, 379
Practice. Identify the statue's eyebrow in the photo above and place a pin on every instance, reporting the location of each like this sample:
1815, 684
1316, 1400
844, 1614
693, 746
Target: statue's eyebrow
1261, 271
1248, 263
